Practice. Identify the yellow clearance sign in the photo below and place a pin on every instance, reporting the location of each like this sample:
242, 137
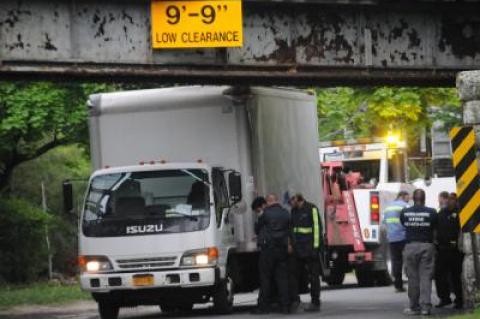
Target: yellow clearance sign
196, 24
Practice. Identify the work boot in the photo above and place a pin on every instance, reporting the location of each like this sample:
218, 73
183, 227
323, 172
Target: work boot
425, 312
312, 307
411, 312
444, 303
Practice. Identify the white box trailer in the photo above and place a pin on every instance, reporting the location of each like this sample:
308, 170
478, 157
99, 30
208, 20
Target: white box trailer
167, 218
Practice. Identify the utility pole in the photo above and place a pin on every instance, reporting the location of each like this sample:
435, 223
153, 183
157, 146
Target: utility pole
47, 237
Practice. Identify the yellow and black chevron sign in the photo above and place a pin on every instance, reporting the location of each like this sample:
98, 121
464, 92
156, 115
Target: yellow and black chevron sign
468, 180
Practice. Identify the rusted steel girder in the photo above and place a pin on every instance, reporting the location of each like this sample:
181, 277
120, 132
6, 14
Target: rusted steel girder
285, 43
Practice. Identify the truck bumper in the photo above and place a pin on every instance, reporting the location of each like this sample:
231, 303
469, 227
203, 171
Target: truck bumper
178, 278
360, 257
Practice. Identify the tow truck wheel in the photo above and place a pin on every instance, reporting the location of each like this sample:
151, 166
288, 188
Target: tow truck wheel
365, 277
383, 278
108, 310
223, 296
336, 278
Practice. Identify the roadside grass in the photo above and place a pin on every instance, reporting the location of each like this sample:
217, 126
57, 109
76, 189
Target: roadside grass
474, 315
39, 294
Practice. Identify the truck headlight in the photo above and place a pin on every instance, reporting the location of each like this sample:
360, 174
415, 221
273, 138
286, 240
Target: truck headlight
94, 264
200, 257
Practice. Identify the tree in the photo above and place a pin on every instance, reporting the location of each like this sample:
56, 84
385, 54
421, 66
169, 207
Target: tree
36, 117
360, 112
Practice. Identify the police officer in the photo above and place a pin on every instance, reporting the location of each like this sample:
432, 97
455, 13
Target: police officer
419, 255
306, 234
274, 227
396, 236
448, 269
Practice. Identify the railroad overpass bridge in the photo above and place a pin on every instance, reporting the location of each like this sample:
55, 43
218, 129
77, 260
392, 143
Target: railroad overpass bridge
294, 42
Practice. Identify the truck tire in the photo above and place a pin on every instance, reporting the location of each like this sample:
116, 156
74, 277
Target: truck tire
336, 278
108, 310
382, 278
365, 277
223, 296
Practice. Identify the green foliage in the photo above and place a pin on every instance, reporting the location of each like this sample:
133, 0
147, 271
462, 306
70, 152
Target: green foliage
22, 244
52, 168
39, 294
38, 116
365, 112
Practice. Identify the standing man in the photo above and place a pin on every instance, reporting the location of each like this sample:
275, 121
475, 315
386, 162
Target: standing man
419, 255
306, 234
442, 200
396, 236
274, 227
448, 266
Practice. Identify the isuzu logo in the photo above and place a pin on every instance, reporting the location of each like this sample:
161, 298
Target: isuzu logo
140, 229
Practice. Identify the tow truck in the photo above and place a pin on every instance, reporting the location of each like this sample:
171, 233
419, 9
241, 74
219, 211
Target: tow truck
359, 178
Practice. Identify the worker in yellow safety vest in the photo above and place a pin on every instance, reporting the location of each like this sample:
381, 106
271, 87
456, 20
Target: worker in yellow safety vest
306, 245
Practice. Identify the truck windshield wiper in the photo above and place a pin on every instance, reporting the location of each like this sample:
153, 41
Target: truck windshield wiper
194, 218
186, 171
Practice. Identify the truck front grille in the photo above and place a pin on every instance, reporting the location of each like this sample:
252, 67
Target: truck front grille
147, 263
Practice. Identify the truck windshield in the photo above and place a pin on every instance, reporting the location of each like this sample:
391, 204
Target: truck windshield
148, 202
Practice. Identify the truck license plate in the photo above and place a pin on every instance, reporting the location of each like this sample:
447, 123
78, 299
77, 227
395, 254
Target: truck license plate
143, 280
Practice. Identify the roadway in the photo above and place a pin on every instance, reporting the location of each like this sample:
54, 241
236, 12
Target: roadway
346, 302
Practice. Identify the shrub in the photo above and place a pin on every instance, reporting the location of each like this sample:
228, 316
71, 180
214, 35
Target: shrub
23, 253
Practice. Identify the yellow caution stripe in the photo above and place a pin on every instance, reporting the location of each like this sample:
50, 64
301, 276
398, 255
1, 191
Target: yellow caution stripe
468, 180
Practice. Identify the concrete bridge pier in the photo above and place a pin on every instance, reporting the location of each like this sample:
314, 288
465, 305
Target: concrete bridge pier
468, 87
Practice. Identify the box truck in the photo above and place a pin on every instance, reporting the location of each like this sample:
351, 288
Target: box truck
166, 219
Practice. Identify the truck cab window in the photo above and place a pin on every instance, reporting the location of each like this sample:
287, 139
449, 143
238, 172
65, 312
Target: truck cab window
174, 201
220, 193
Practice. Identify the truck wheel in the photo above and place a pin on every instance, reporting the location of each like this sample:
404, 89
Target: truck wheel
108, 310
382, 278
223, 297
365, 278
336, 278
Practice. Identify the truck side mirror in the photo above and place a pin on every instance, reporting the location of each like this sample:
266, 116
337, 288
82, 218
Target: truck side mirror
67, 197
235, 186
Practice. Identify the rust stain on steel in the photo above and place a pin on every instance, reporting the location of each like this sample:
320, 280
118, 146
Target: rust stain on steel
326, 35
462, 37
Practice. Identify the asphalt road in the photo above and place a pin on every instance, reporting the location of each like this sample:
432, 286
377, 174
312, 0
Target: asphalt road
346, 302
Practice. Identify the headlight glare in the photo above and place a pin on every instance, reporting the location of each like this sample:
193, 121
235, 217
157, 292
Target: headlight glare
200, 257
94, 264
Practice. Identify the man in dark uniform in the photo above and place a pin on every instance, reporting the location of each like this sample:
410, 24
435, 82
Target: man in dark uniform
448, 266
274, 227
306, 234
420, 223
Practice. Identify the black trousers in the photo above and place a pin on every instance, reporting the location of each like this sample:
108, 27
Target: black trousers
448, 274
273, 269
310, 266
396, 257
